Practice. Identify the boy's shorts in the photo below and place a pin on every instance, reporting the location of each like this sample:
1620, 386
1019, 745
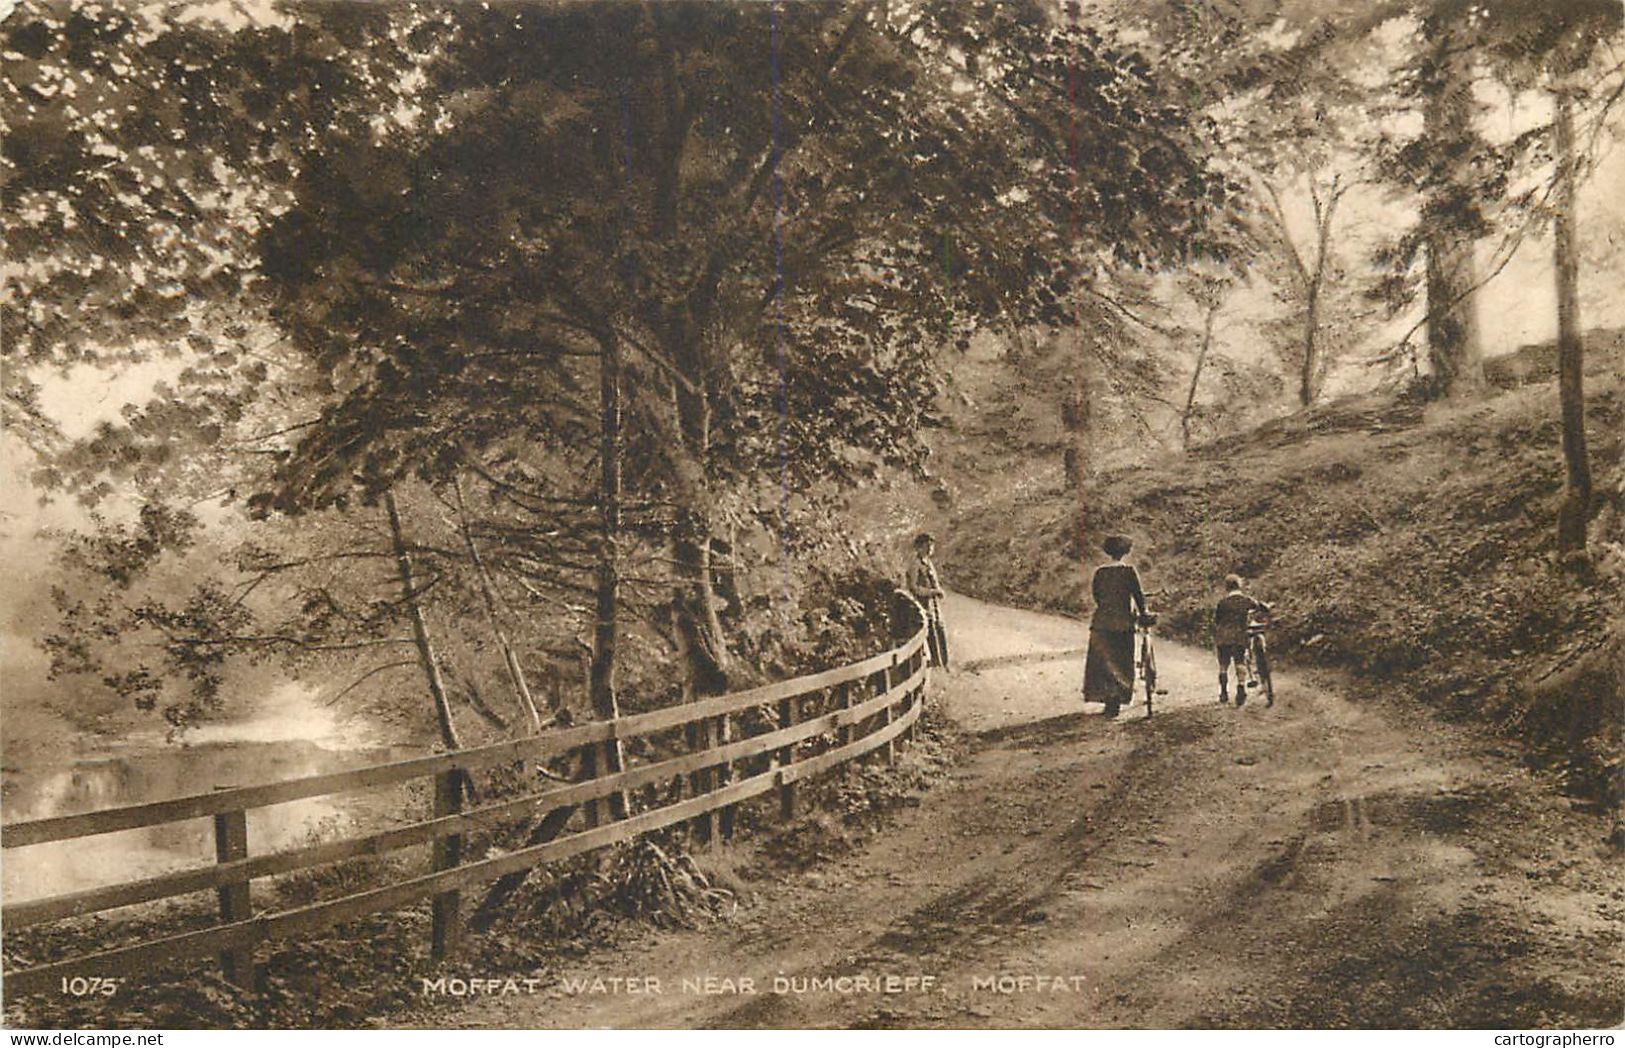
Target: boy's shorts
1229, 653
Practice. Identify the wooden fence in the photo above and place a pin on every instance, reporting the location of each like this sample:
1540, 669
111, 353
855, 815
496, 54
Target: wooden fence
862, 708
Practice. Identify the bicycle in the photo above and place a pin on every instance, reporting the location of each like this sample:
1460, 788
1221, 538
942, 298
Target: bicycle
1145, 665
1257, 668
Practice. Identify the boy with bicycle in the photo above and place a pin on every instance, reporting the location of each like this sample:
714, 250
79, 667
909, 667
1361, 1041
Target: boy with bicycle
1230, 620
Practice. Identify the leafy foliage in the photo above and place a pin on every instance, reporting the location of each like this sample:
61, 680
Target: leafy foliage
142, 149
428, 228
786, 234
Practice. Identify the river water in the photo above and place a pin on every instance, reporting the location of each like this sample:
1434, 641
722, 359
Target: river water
300, 738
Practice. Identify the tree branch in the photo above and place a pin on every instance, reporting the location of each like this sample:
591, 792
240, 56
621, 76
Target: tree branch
353, 685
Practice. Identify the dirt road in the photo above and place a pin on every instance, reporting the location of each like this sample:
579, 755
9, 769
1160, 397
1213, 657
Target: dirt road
1321, 863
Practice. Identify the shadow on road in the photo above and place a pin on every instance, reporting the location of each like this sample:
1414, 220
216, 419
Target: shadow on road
1065, 727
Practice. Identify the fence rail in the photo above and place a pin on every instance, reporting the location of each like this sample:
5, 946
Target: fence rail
879, 700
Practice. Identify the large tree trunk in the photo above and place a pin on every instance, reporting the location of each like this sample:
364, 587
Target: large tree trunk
697, 604
696, 619
1454, 353
606, 628
420, 627
1576, 508
1453, 347
696, 597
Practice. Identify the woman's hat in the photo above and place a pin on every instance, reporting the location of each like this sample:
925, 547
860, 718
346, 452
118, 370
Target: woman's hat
1117, 545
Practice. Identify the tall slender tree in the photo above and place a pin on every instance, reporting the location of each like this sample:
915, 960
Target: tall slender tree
1574, 514
1561, 51
1309, 267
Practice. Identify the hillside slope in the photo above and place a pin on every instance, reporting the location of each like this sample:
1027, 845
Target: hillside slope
1413, 547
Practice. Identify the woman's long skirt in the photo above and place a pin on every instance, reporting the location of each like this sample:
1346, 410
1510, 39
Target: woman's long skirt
1108, 673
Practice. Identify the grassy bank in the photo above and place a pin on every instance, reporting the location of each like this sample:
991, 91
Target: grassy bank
1414, 547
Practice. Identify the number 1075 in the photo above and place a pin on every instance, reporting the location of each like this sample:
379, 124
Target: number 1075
91, 986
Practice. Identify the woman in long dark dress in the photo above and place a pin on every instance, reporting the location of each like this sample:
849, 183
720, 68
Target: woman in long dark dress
1108, 673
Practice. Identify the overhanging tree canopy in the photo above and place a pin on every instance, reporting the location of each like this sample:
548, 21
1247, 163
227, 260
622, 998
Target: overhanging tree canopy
766, 217
772, 234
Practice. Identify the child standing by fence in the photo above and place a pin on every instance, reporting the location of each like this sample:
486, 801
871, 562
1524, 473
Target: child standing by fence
927, 589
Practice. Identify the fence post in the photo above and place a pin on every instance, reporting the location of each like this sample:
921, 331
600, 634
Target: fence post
916, 696
448, 852
589, 771
700, 781
890, 748
725, 775
231, 842
844, 736
787, 756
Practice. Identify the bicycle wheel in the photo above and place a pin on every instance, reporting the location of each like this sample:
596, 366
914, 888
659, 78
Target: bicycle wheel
1261, 659
1149, 669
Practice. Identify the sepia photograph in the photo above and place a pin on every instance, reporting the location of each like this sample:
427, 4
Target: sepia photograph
812, 514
